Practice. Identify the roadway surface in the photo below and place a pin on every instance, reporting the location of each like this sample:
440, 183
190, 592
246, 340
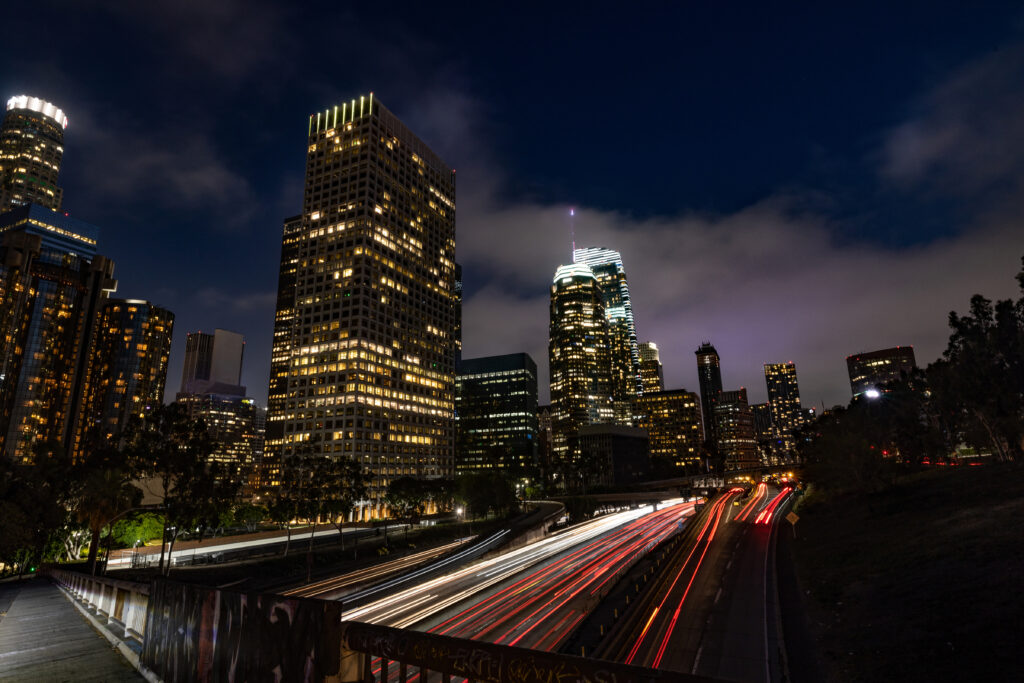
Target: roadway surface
534, 595
713, 611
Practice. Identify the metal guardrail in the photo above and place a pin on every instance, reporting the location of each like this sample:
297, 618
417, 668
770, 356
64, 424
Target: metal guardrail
122, 603
190, 632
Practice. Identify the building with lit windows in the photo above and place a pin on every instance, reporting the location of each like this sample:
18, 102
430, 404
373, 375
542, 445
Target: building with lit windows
673, 423
127, 369
236, 423
734, 429
31, 149
267, 472
871, 371
496, 409
624, 355
763, 433
52, 286
784, 404
709, 376
371, 343
652, 376
578, 357
211, 392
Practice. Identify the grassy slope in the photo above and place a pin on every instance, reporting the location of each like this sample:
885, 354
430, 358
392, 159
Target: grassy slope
923, 582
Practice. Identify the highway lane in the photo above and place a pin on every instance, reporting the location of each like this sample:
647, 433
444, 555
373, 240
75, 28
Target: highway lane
712, 611
533, 595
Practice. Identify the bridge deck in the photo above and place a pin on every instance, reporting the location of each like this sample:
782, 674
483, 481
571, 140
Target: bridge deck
44, 638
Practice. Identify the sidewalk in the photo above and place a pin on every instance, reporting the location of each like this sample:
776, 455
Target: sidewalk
44, 638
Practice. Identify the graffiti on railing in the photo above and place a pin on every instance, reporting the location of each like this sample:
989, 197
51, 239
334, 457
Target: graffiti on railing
198, 633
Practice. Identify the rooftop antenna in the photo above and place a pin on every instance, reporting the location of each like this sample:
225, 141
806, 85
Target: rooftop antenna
572, 231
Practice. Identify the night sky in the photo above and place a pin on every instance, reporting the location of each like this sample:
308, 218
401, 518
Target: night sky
790, 183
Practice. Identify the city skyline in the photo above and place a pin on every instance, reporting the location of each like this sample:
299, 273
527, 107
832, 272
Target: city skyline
702, 264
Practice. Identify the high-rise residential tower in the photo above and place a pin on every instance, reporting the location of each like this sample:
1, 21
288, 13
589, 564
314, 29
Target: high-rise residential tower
578, 357
607, 267
127, 369
52, 287
371, 345
784, 403
652, 376
496, 403
709, 375
31, 149
872, 370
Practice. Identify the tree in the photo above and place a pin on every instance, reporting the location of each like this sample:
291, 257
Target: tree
406, 498
140, 527
981, 380
174, 450
250, 515
344, 484
105, 491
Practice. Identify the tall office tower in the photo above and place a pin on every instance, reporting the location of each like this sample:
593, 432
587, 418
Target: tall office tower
236, 423
709, 375
578, 357
673, 423
458, 314
606, 265
53, 284
31, 148
652, 377
764, 434
734, 427
127, 369
496, 405
371, 346
211, 392
213, 363
872, 370
784, 402
268, 469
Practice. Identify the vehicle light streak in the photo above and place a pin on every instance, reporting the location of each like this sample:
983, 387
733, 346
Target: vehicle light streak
759, 495
766, 515
714, 514
370, 573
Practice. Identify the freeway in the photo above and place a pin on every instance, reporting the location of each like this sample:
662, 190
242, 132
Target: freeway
532, 596
712, 611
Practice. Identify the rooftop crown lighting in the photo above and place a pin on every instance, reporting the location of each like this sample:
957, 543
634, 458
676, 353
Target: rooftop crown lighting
41, 106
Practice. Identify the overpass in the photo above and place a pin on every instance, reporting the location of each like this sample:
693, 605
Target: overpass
179, 632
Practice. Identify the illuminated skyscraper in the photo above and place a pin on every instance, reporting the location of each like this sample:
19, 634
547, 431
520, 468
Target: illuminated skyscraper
578, 356
53, 285
280, 355
709, 375
652, 377
371, 345
673, 423
31, 148
874, 369
127, 368
607, 267
734, 427
496, 402
784, 404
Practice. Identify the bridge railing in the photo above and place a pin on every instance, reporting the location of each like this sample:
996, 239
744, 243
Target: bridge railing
190, 632
122, 603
